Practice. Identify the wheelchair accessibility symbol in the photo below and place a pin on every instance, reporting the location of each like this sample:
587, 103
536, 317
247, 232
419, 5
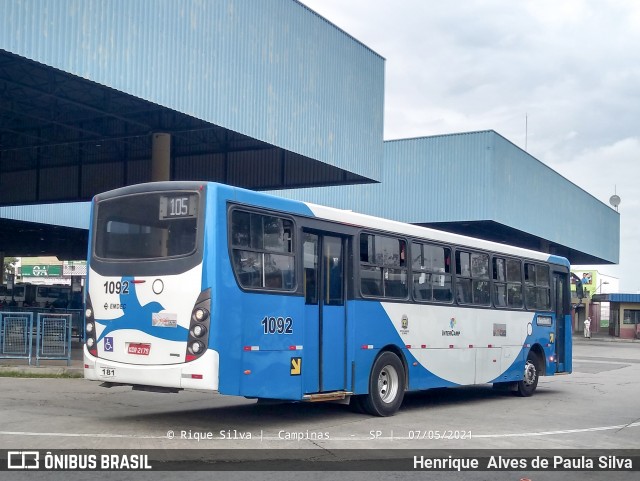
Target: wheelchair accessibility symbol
108, 344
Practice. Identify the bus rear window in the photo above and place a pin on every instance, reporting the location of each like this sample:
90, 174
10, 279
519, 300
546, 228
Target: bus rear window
148, 226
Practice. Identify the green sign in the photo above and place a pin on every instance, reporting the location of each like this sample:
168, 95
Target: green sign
42, 270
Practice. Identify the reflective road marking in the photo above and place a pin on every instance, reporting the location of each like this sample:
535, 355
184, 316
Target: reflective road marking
350, 438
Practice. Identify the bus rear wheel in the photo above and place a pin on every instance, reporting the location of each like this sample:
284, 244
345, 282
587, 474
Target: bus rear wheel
386, 386
530, 377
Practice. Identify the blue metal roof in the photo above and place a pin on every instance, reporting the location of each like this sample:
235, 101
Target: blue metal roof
479, 177
626, 298
74, 214
274, 71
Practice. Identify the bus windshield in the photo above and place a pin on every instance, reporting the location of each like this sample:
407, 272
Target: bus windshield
149, 226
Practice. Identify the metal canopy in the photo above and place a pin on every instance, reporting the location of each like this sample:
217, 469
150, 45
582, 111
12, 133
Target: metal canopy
29, 239
497, 232
64, 138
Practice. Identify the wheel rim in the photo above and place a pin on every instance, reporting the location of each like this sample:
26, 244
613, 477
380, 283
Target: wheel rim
529, 373
388, 384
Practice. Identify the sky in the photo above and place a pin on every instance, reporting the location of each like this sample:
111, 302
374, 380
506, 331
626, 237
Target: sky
559, 79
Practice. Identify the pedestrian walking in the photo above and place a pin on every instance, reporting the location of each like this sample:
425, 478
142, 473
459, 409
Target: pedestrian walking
587, 328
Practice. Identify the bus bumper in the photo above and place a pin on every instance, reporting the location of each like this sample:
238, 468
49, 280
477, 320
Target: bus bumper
199, 374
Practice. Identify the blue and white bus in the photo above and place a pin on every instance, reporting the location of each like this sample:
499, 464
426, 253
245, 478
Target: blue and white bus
195, 285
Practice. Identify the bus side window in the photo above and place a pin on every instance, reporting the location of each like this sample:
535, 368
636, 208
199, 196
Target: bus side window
371, 280
310, 263
278, 271
383, 266
537, 287
332, 259
366, 248
431, 273
248, 265
472, 269
463, 289
262, 250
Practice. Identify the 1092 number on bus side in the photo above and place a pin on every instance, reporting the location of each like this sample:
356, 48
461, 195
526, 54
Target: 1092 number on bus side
277, 325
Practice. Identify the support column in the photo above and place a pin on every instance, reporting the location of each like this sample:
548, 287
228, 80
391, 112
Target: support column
160, 157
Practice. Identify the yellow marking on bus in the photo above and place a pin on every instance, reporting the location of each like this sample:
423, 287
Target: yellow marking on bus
296, 366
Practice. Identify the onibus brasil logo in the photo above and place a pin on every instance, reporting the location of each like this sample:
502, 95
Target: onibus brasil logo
452, 331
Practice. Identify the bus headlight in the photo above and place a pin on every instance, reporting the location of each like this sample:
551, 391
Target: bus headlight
199, 330
196, 347
90, 342
88, 312
89, 327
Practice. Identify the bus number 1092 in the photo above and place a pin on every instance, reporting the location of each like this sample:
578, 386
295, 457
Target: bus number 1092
279, 325
111, 287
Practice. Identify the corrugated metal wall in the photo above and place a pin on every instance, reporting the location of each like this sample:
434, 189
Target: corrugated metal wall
429, 179
74, 214
534, 198
477, 176
444, 178
271, 69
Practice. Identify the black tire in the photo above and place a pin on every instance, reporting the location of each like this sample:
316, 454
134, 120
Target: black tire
386, 386
530, 377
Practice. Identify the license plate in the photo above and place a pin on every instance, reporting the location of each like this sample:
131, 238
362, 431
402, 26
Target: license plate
139, 349
107, 371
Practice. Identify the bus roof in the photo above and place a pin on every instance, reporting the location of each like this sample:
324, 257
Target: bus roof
353, 218
378, 223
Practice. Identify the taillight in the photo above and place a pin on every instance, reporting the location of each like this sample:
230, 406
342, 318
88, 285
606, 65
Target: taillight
198, 340
199, 330
90, 328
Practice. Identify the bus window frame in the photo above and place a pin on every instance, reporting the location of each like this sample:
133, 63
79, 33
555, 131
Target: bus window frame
294, 254
459, 277
534, 285
506, 282
450, 274
383, 266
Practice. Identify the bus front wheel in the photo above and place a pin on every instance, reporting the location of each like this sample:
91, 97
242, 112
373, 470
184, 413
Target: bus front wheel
531, 374
386, 386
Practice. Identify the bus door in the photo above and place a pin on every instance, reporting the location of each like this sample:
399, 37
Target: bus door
563, 330
325, 312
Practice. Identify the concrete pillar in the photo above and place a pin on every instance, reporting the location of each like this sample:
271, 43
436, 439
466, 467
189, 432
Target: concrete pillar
160, 157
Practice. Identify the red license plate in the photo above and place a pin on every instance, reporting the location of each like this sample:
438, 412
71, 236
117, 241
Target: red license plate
139, 349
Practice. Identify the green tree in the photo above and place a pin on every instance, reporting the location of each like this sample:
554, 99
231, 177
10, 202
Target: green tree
9, 267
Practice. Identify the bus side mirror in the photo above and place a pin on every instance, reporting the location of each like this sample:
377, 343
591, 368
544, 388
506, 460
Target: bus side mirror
579, 290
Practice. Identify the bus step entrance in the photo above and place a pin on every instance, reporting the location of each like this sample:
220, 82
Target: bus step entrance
327, 396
